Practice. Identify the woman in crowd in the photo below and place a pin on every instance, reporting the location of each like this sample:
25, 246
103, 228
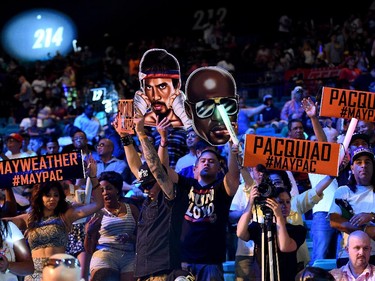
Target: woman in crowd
288, 237
50, 218
300, 204
111, 232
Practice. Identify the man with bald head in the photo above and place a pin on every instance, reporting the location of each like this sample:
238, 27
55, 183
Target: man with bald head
358, 267
62, 267
206, 88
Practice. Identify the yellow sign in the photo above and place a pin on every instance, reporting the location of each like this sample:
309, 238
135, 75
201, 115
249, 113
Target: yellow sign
292, 154
347, 104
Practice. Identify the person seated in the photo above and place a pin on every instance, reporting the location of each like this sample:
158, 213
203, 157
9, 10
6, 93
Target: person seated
358, 266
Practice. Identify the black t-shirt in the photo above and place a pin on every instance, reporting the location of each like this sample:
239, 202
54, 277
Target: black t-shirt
203, 237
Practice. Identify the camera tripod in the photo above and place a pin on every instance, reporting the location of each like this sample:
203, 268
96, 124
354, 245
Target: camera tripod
270, 262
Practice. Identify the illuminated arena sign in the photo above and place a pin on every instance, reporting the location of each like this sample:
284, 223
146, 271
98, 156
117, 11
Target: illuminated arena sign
38, 34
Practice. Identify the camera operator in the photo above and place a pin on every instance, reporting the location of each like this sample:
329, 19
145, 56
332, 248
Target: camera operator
300, 204
288, 237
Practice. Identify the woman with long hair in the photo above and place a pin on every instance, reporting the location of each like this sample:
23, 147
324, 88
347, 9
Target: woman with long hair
50, 218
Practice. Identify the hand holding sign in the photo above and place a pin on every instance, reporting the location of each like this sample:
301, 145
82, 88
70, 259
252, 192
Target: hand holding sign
125, 116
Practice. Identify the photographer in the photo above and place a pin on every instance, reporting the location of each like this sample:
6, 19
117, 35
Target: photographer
300, 204
289, 237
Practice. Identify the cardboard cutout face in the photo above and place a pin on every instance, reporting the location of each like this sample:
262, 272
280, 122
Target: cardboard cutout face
160, 95
62, 267
206, 88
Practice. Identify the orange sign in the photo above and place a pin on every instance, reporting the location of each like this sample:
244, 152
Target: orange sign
347, 104
292, 154
126, 115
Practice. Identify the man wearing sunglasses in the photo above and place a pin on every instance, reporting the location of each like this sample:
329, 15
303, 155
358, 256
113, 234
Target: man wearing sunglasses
204, 200
206, 89
62, 267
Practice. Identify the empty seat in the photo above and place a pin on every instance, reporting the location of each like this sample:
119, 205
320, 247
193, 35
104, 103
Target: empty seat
326, 264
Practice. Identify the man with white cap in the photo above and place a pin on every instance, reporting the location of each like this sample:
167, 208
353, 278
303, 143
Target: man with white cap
14, 143
353, 204
270, 114
293, 106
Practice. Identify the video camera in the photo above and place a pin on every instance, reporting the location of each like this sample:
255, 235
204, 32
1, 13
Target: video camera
266, 190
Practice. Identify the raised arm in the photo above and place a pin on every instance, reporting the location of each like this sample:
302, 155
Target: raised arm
310, 109
246, 217
131, 153
152, 158
305, 201
96, 203
232, 177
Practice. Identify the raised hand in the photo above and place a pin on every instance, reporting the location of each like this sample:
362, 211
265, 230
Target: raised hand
163, 126
309, 107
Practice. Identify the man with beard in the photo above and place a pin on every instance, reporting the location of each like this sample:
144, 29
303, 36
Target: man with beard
358, 267
206, 89
160, 95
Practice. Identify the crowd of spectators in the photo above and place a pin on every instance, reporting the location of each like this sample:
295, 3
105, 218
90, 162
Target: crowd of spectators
53, 104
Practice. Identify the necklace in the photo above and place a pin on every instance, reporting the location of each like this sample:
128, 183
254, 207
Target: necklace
115, 212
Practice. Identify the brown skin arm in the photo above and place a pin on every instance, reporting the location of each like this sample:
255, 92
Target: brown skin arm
131, 153
232, 177
370, 230
153, 159
310, 109
92, 233
20, 221
24, 264
342, 224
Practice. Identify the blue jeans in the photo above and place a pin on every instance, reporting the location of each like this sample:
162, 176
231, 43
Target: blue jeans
325, 238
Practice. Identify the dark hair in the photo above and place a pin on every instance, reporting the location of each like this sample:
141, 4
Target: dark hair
40, 190
261, 168
280, 190
51, 139
206, 151
202, 144
74, 130
352, 183
284, 176
113, 178
4, 229
293, 120
159, 61
311, 273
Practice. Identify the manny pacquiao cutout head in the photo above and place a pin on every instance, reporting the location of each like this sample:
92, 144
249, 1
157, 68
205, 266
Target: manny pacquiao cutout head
160, 95
207, 87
